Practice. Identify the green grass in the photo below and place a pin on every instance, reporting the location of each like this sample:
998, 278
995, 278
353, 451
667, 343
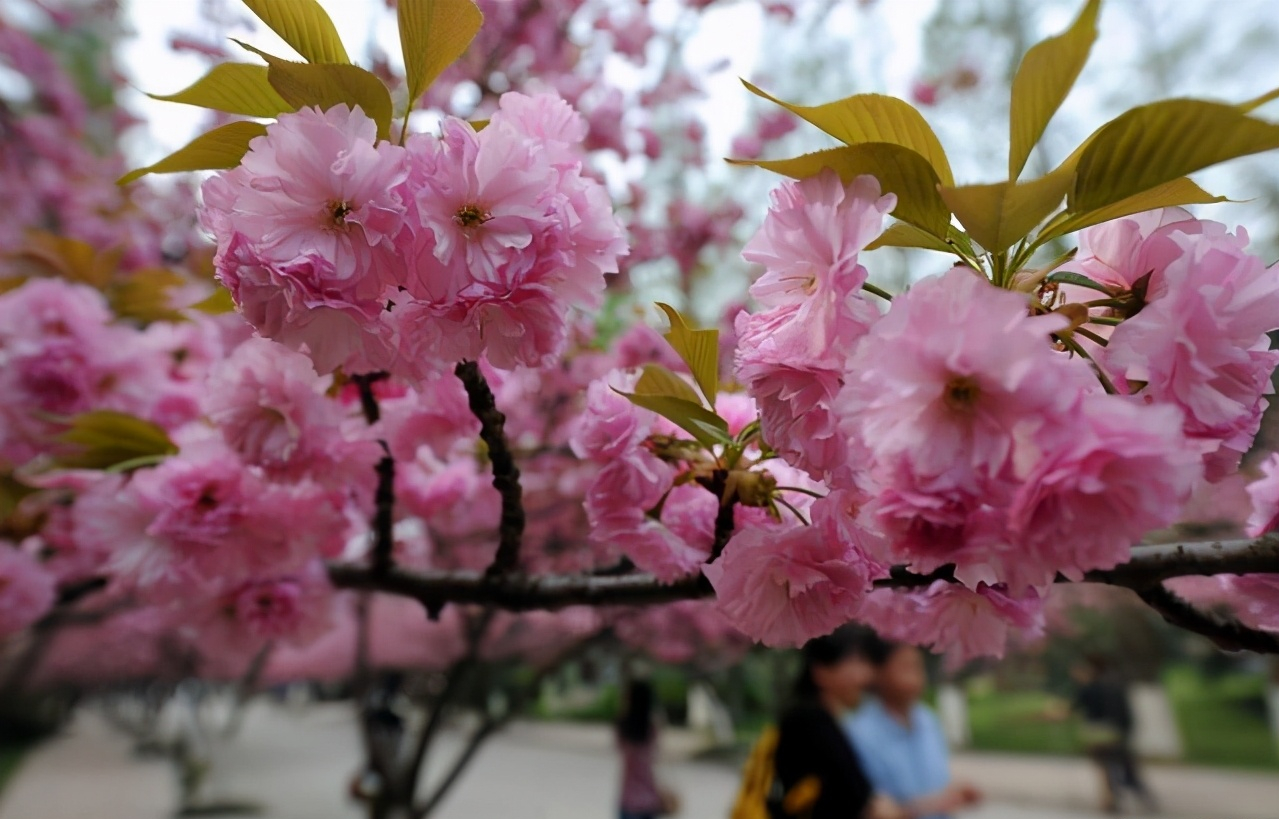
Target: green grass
10, 757
1222, 719
1012, 721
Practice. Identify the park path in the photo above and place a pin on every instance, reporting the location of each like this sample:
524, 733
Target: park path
297, 763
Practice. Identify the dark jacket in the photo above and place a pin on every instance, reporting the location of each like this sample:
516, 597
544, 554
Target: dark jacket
811, 743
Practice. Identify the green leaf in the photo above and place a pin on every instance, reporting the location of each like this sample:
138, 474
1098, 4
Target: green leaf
220, 148
706, 427
1257, 102
1000, 214
1077, 279
903, 234
899, 170
1044, 78
1155, 144
305, 26
698, 348
12, 492
218, 303
105, 438
145, 295
433, 35
657, 380
1170, 194
873, 118
236, 88
325, 86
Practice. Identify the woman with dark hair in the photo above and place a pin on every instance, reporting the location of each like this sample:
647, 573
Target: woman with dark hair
821, 776
641, 797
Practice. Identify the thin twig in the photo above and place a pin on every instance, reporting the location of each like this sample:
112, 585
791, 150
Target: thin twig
506, 475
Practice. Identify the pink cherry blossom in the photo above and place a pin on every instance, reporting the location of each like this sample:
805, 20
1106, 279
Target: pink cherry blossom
812, 235
1264, 494
793, 356
785, 587
270, 407
963, 622
610, 425
27, 589
294, 608
305, 304
203, 516
947, 378
316, 185
1200, 342
1120, 252
1119, 471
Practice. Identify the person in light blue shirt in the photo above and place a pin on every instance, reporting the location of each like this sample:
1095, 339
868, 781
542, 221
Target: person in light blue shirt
900, 742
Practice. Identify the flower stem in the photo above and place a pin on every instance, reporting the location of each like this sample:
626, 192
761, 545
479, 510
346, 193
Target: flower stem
878, 291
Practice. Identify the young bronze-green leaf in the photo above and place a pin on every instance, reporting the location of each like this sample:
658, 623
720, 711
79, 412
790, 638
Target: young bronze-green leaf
1168, 195
305, 26
220, 148
657, 380
325, 86
706, 427
899, 170
873, 118
234, 88
433, 35
1044, 78
698, 348
103, 439
903, 234
1157, 143
1001, 214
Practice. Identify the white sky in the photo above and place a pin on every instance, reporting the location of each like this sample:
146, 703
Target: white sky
732, 31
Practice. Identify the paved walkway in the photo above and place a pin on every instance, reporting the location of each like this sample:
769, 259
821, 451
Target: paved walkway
297, 765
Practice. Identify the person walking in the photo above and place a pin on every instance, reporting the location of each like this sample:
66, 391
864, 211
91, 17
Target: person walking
1106, 724
900, 742
641, 796
820, 775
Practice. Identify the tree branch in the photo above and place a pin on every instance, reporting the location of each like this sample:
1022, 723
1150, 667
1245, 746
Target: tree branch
461, 669
506, 475
384, 496
1149, 565
520, 593
1153, 563
491, 724
1225, 631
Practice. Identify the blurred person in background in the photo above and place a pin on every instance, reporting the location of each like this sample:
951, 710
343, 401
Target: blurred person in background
1101, 704
641, 796
820, 774
900, 742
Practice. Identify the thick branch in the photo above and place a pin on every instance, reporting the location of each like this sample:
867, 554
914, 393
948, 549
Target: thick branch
384, 514
384, 496
521, 593
1152, 564
1149, 565
506, 475
1227, 632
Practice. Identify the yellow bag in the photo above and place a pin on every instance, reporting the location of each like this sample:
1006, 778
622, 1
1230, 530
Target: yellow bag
760, 795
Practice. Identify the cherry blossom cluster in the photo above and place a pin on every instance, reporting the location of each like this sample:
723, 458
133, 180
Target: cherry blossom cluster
961, 427
374, 257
